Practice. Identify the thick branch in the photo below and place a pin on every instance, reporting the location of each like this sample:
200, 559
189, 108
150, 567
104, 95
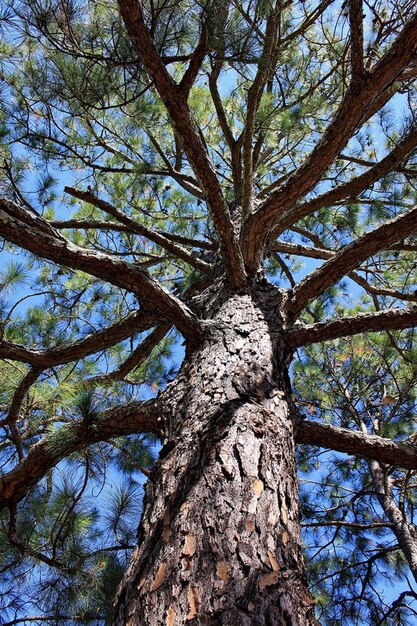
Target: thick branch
356, 102
389, 319
175, 101
354, 187
32, 232
350, 257
356, 35
357, 444
135, 417
100, 340
265, 68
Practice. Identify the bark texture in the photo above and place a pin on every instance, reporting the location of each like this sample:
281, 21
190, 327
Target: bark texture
219, 541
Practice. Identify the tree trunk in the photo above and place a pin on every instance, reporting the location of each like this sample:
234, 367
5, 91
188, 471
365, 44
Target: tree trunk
219, 541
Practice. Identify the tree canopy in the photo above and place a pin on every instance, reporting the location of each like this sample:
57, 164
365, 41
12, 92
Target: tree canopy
148, 150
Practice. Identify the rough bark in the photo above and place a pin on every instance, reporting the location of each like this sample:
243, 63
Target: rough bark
219, 541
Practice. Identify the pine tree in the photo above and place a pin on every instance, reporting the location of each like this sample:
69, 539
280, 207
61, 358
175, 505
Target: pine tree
208, 215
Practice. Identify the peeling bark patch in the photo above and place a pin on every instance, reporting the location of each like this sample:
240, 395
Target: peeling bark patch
171, 617
223, 572
273, 561
160, 577
189, 545
167, 532
268, 579
258, 487
192, 603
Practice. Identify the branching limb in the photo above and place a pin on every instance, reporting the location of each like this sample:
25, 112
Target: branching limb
323, 253
152, 235
107, 225
265, 68
357, 100
357, 443
350, 257
354, 187
175, 101
403, 530
388, 319
15, 407
128, 419
134, 360
197, 58
30, 231
100, 340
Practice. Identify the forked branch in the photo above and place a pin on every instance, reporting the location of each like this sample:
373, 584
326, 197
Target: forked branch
349, 258
95, 342
354, 187
345, 122
134, 226
175, 101
33, 233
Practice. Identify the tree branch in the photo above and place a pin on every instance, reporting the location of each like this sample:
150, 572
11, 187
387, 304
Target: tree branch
356, 102
30, 231
134, 360
196, 60
175, 101
350, 257
107, 225
357, 444
388, 319
356, 35
352, 188
265, 68
129, 419
105, 338
15, 406
152, 235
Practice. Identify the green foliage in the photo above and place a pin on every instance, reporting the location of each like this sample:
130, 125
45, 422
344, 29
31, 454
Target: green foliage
79, 109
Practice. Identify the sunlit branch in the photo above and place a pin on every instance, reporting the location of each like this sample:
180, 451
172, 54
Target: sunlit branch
352, 188
322, 253
176, 103
337, 134
95, 342
196, 60
387, 319
356, 36
265, 69
152, 235
31, 232
350, 258
107, 225
357, 443
139, 355
15, 407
